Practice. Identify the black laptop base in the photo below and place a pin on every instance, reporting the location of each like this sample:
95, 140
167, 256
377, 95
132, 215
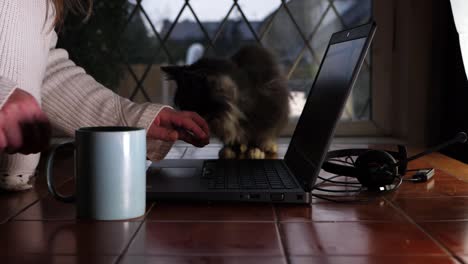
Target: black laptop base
198, 180
254, 196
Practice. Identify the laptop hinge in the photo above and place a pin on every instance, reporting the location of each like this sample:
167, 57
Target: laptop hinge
298, 180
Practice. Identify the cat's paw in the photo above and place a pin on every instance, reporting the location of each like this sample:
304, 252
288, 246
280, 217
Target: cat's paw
271, 147
243, 148
255, 153
227, 153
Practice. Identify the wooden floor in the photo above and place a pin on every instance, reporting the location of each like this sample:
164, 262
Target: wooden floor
419, 223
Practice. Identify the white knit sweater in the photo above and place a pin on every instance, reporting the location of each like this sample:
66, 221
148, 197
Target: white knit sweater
70, 98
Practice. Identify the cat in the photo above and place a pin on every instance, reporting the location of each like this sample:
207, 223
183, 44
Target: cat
244, 99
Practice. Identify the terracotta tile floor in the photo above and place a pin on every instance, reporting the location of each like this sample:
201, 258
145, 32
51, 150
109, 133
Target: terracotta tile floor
419, 223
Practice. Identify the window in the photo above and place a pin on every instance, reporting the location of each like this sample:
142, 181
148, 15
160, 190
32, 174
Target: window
125, 42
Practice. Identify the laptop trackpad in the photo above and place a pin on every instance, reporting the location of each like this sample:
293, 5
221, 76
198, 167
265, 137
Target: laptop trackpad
177, 172
169, 179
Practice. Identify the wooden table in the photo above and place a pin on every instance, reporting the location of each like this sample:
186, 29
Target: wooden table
419, 223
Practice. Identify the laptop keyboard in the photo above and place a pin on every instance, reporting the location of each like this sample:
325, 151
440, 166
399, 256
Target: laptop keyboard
247, 174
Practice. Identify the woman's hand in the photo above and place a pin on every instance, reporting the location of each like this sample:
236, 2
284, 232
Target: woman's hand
24, 128
171, 125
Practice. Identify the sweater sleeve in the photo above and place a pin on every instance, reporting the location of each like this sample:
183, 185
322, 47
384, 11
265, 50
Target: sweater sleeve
8, 48
73, 99
7, 87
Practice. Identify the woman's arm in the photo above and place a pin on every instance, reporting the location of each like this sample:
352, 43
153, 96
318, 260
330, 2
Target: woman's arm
8, 65
23, 126
7, 87
73, 99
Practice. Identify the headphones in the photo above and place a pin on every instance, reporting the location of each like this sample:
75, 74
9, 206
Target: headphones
377, 169
374, 169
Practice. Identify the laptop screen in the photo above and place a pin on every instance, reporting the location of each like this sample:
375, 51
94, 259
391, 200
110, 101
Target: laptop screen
323, 109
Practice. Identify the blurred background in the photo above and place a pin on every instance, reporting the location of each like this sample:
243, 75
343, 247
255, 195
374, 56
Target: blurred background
125, 42
412, 86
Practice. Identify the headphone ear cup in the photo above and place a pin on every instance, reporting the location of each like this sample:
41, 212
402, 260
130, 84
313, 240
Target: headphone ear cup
376, 168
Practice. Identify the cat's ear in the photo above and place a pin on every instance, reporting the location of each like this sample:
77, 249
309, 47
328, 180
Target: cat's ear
172, 71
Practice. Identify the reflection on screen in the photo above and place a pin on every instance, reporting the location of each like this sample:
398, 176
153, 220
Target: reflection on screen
323, 108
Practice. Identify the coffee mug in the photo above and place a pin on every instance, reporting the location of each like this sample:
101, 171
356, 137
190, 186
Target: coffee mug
110, 172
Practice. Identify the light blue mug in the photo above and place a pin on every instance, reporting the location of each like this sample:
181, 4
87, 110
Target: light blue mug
110, 173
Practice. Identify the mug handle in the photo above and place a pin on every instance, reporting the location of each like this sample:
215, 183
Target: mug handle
50, 179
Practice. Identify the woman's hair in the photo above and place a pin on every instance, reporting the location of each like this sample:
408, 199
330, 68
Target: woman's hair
76, 6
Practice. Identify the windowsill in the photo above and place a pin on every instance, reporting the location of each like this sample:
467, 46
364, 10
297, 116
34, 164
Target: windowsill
286, 140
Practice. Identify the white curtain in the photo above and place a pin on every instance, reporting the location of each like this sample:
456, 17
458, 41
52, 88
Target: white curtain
460, 14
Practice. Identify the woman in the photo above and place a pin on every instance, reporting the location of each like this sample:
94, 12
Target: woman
33, 73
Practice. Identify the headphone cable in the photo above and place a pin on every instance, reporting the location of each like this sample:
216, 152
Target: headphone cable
346, 198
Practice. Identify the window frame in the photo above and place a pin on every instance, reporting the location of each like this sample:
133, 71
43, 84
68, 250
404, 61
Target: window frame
380, 122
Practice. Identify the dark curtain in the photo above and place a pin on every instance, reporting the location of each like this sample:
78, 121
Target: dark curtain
448, 107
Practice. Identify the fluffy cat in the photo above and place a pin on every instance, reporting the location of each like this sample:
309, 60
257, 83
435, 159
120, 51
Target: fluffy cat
244, 99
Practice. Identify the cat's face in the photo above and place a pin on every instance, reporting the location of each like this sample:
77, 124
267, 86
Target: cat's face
200, 90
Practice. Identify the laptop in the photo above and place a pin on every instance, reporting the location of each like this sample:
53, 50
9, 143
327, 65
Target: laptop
288, 180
